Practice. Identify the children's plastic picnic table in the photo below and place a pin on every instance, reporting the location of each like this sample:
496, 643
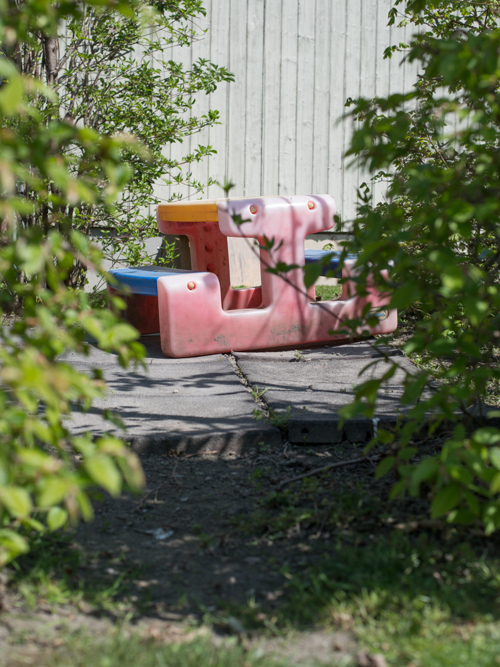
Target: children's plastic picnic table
197, 312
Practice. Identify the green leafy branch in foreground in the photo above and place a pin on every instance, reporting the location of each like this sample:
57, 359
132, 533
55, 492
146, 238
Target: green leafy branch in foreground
438, 150
45, 472
112, 73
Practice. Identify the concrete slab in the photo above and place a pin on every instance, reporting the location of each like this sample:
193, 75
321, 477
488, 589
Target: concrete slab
314, 384
199, 404
189, 405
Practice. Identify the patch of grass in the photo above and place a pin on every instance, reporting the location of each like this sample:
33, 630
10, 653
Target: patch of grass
417, 600
54, 569
328, 292
421, 595
120, 651
306, 507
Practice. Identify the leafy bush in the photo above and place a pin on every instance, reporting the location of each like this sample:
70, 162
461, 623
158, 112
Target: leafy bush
45, 472
112, 73
88, 101
437, 148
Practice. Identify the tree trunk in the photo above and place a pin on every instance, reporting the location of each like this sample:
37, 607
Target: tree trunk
51, 59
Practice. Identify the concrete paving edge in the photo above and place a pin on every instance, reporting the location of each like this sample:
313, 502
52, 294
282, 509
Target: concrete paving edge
223, 444
320, 429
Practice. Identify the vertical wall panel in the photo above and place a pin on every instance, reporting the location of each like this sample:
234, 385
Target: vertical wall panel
200, 49
271, 103
219, 54
184, 56
384, 39
288, 98
240, 65
337, 100
368, 66
352, 70
321, 102
295, 63
396, 64
305, 97
254, 92
162, 191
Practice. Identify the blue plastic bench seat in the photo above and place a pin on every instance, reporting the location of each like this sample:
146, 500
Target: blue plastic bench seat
313, 256
142, 279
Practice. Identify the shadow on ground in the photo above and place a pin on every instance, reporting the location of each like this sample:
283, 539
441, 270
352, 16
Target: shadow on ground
213, 540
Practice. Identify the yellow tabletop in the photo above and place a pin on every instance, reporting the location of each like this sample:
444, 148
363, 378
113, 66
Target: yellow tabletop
190, 211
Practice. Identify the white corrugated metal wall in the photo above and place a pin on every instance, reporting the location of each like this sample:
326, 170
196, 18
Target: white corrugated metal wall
295, 63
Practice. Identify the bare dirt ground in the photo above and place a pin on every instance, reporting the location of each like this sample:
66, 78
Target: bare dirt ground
178, 562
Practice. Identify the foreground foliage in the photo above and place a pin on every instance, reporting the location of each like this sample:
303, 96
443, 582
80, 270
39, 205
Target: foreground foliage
111, 72
50, 170
437, 149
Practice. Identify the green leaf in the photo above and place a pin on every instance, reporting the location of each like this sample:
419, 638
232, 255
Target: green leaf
33, 524
85, 506
486, 436
52, 490
384, 466
495, 483
405, 296
472, 502
398, 490
132, 471
56, 518
369, 390
34, 458
12, 545
495, 457
112, 446
445, 500
460, 473
311, 273
103, 471
11, 96
407, 453
461, 516
16, 500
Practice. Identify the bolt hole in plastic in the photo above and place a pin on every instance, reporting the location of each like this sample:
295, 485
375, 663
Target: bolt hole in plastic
311, 205
253, 209
191, 285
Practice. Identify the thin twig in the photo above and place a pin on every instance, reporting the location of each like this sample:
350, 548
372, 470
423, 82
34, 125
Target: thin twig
337, 464
173, 476
149, 493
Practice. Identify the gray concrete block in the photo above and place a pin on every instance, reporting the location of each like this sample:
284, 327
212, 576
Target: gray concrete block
315, 429
328, 429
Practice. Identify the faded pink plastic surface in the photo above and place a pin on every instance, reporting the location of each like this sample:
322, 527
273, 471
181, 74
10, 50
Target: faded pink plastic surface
193, 321
208, 250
